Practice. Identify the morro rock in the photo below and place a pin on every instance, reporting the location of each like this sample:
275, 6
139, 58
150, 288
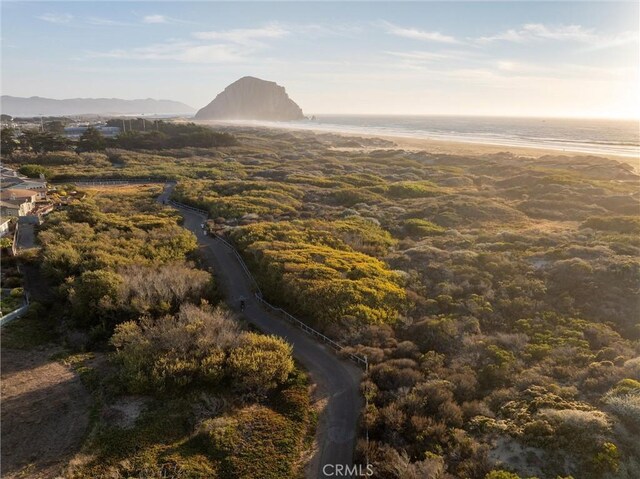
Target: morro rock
252, 99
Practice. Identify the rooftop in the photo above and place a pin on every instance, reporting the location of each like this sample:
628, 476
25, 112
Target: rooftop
7, 195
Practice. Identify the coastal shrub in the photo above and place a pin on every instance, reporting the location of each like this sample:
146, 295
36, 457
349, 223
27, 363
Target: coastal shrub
626, 406
359, 234
173, 351
260, 363
162, 289
412, 189
349, 197
233, 199
606, 460
501, 474
575, 422
327, 284
417, 228
330, 285
620, 224
254, 442
105, 234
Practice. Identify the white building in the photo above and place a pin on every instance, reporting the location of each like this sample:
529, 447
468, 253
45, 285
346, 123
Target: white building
75, 132
17, 202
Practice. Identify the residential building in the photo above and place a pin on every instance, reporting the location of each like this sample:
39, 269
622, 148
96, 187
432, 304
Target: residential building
38, 186
17, 202
11, 180
75, 132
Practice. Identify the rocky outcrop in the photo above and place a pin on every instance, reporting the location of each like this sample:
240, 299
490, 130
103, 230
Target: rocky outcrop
252, 99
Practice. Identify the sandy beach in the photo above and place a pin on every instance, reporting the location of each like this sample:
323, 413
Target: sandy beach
467, 148
451, 147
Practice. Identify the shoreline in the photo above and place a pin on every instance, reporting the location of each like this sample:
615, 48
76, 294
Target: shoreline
461, 146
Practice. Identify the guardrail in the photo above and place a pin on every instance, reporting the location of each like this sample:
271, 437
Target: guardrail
110, 181
187, 207
338, 348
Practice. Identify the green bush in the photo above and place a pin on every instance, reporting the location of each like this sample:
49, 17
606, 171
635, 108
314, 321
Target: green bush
254, 443
620, 224
418, 228
412, 189
172, 352
260, 363
33, 171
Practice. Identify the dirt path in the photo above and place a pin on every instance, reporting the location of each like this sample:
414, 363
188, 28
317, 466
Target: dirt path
44, 413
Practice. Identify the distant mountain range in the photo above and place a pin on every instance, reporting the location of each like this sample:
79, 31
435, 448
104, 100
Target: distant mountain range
36, 106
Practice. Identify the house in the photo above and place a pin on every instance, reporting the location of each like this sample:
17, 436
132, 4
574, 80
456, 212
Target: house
16, 202
12, 180
37, 186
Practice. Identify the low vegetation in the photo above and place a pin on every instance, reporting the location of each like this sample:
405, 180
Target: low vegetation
495, 297
126, 283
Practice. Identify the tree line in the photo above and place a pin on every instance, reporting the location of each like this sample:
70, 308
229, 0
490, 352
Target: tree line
160, 135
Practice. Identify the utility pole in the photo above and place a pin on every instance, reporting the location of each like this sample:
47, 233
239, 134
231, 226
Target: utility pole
124, 129
41, 124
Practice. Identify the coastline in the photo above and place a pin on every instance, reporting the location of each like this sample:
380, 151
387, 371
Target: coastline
462, 147
452, 146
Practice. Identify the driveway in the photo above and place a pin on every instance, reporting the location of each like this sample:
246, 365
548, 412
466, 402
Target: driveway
26, 236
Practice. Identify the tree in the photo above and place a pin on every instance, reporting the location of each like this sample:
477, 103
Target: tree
92, 140
41, 142
8, 141
55, 126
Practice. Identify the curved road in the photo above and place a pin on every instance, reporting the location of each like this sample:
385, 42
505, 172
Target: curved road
338, 380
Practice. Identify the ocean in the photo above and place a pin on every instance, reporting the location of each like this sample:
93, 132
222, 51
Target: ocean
602, 137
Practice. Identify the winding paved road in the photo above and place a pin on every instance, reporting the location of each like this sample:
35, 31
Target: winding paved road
338, 380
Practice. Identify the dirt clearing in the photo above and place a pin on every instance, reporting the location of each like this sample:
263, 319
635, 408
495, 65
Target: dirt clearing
45, 413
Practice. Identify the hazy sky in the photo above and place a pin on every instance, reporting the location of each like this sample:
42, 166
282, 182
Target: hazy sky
503, 58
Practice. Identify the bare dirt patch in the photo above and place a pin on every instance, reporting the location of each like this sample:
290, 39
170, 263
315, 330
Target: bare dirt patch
44, 412
124, 412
